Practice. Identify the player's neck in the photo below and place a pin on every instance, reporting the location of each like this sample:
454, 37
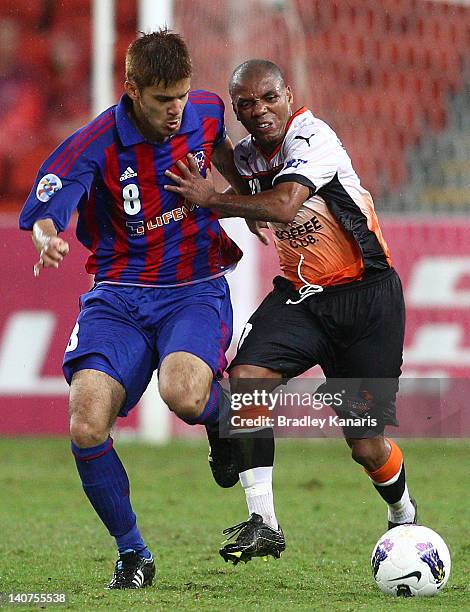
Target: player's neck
144, 128
267, 148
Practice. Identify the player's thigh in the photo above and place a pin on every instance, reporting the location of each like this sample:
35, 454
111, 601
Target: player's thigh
369, 368
199, 324
106, 339
372, 362
281, 337
376, 350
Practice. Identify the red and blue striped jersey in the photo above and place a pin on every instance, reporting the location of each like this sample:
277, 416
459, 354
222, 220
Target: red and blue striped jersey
137, 232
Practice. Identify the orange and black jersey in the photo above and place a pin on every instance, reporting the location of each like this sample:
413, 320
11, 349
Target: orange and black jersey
336, 229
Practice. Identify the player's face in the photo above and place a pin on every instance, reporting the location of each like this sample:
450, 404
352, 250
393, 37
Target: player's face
158, 110
263, 105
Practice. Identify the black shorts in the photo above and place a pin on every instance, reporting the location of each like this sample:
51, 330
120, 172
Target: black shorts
353, 331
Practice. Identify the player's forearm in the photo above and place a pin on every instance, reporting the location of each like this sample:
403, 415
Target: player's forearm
265, 206
279, 204
51, 248
225, 164
227, 215
43, 231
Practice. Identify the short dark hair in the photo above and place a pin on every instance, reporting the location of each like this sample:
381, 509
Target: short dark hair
257, 67
160, 56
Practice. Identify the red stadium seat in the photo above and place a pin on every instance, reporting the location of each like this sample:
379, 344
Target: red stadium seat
64, 9
24, 169
126, 15
35, 47
29, 13
381, 71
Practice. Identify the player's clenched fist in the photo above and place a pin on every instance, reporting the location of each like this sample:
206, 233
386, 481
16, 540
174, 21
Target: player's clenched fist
50, 247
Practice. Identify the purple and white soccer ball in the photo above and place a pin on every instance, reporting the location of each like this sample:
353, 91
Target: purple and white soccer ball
411, 560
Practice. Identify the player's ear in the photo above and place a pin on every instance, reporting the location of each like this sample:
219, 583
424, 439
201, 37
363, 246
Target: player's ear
289, 94
132, 90
235, 110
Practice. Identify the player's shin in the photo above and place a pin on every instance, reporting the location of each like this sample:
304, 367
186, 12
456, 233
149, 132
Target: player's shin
254, 452
211, 414
389, 480
106, 485
221, 453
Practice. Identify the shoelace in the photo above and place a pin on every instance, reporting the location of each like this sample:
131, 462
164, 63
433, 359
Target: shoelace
129, 565
307, 289
235, 530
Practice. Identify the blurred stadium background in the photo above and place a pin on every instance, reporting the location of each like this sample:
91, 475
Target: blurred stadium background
392, 77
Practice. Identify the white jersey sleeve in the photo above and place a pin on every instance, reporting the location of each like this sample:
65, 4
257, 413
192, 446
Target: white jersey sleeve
312, 156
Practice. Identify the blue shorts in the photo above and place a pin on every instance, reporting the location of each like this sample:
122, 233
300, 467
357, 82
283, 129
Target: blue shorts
126, 332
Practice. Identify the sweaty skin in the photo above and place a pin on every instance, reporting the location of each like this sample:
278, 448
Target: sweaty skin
263, 104
50, 247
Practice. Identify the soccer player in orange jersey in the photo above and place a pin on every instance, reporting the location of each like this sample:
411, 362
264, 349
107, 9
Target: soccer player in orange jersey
339, 303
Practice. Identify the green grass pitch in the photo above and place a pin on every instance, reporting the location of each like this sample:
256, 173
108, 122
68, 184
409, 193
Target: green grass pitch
51, 541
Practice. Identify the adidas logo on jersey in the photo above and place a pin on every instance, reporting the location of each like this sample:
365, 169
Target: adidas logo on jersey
127, 174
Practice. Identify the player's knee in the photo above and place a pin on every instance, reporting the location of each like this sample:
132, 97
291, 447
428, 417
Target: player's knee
242, 371
252, 371
186, 401
369, 452
245, 378
85, 433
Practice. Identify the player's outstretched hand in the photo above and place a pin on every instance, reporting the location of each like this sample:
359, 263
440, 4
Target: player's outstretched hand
51, 253
255, 227
190, 184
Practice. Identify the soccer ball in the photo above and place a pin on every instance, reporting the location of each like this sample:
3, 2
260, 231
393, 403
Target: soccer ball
411, 560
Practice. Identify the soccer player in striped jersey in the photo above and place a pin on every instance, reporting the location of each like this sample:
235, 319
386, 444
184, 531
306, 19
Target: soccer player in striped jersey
160, 298
339, 303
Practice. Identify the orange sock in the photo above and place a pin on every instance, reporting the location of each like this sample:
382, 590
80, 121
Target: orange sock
391, 467
390, 482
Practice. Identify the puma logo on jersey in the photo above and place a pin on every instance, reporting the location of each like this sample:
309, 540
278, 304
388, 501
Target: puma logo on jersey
307, 139
127, 174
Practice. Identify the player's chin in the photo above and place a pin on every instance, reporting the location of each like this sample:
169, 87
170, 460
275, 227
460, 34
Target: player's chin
268, 135
167, 130
172, 127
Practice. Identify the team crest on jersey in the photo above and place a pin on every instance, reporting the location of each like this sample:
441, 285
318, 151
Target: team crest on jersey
295, 163
47, 187
199, 158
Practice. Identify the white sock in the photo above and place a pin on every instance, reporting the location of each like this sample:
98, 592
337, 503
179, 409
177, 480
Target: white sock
257, 484
403, 510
